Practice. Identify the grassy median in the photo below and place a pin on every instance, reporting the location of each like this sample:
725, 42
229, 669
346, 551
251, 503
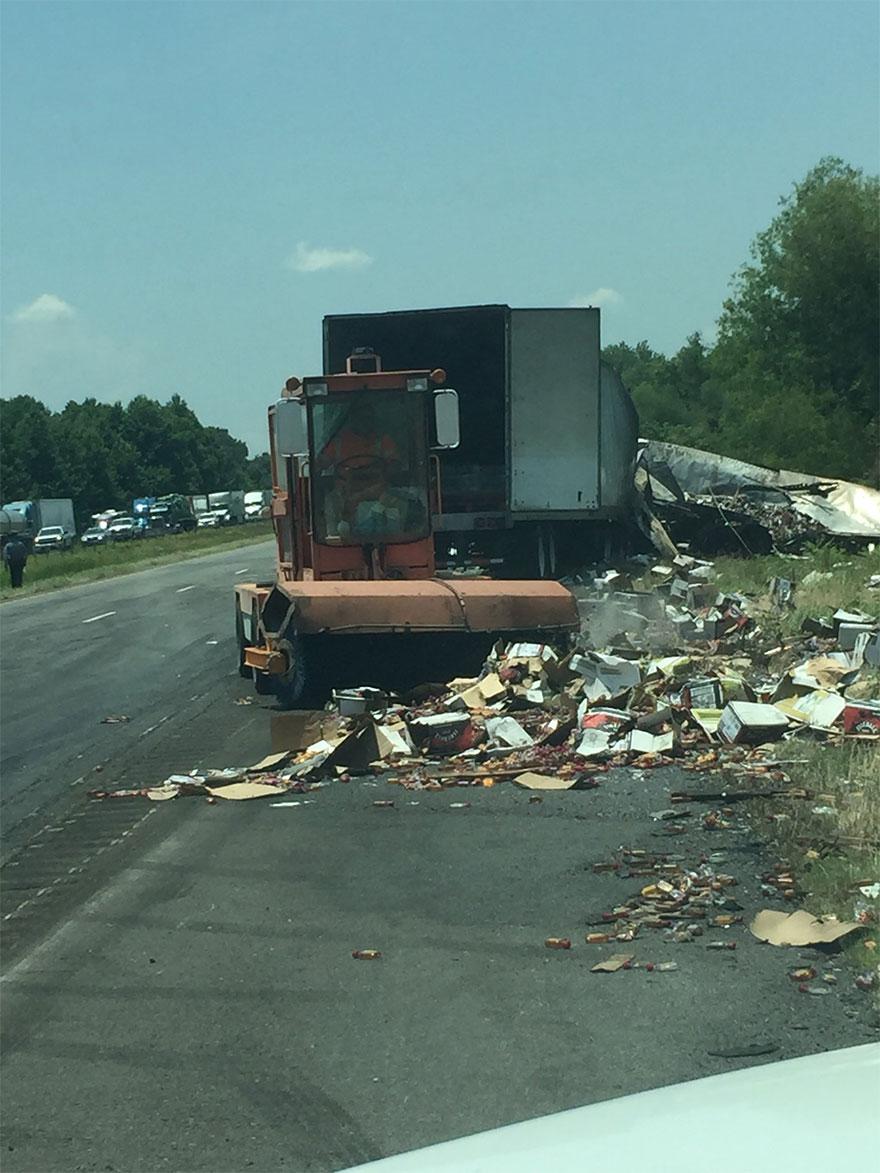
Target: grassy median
46, 572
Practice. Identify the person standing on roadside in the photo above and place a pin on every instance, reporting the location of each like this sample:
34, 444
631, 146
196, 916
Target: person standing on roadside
15, 556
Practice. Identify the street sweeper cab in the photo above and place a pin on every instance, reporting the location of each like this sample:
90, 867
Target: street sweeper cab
358, 481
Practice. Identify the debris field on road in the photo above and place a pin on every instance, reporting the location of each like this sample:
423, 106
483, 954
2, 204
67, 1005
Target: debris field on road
678, 675
684, 674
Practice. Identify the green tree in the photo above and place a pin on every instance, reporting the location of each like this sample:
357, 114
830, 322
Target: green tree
97, 464
668, 392
28, 450
805, 315
259, 472
103, 454
793, 379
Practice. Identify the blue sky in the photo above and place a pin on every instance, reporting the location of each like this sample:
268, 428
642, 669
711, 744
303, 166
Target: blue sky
188, 187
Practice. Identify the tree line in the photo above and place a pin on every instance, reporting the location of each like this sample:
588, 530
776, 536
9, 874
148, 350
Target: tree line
102, 455
792, 380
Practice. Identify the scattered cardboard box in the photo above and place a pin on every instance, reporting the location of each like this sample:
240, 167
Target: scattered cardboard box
640, 741
372, 743
601, 727
605, 676
861, 717
531, 781
239, 791
799, 928
507, 731
708, 720
269, 762
819, 709
613, 963
703, 693
526, 651
848, 633
352, 702
298, 729
746, 721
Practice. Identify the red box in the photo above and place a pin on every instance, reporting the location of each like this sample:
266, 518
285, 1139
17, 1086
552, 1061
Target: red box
861, 717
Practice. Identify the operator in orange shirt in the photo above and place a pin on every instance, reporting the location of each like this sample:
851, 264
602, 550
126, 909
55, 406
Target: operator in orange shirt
361, 460
359, 443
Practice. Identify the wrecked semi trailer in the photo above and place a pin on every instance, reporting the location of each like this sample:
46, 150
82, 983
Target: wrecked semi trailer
542, 479
357, 468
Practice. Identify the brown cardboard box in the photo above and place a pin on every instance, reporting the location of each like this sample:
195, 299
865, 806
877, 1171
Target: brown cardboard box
300, 728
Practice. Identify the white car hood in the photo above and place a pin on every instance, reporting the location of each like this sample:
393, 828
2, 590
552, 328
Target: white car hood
797, 1114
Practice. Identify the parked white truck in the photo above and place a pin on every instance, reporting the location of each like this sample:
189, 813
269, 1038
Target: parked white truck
256, 504
230, 502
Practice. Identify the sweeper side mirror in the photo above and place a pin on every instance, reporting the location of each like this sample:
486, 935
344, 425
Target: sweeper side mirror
446, 428
291, 428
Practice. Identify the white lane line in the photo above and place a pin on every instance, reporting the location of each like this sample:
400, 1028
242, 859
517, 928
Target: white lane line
95, 618
181, 590
244, 571
153, 728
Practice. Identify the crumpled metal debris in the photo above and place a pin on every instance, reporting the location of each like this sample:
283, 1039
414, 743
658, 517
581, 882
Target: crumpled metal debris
724, 505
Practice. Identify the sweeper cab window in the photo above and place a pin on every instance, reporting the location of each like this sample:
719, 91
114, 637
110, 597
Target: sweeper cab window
369, 467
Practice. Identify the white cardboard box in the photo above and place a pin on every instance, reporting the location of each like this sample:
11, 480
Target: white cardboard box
748, 721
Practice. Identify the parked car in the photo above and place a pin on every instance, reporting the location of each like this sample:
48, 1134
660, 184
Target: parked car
123, 529
52, 537
214, 518
95, 536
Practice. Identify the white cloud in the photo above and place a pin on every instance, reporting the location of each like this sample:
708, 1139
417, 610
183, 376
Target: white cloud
55, 354
315, 260
599, 297
46, 308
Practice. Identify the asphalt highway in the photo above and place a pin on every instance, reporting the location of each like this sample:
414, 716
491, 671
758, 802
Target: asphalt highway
147, 646
178, 986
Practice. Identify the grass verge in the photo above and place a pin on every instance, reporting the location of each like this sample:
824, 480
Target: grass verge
832, 841
46, 572
834, 578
